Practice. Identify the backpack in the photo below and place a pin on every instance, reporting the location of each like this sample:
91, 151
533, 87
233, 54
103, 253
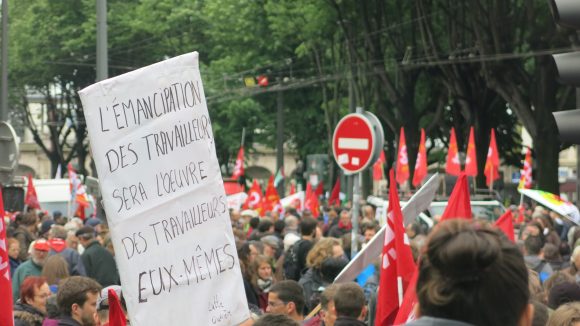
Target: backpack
292, 270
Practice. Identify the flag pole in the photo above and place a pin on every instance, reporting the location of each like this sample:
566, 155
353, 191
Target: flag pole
243, 135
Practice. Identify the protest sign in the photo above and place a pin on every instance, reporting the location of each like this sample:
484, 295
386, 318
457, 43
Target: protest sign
153, 146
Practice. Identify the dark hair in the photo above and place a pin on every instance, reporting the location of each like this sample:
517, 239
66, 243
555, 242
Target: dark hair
74, 290
328, 295
279, 226
349, 300
254, 222
533, 245
275, 319
552, 253
29, 285
307, 226
331, 267
470, 272
540, 314
265, 225
290, 291
25, 219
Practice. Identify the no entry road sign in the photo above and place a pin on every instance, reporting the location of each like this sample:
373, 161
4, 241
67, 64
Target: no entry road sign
354, 142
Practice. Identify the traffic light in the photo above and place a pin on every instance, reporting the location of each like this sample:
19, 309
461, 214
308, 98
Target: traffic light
566, 13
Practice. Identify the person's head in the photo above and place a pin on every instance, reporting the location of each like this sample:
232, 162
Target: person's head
563, 293
472, 273
349, 301
27, 220
86, 235
102, 313
412, 230
308, 226
254, 222
566, 315
77, 298
344, 217
533, 245
540, 314
532, 229
55, 269
59, 218
45, 228
260, 268
40, 250
57, 232
13, 248
369, 231
324, 248
328, 314
558, 277
575, 258
286, 297
34, 291
266, 226
279, 226
331, 267
271, 245
275, 319
552, 253
291, 223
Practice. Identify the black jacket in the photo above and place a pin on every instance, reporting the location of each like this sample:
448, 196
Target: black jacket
100, 264
68, 321
348, 321
27, 315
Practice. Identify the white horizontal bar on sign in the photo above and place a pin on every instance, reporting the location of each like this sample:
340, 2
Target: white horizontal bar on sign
353, 143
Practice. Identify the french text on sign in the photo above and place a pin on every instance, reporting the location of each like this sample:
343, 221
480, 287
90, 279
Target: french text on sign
353, 143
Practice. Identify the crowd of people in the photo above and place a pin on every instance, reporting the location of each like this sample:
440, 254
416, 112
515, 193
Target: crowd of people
469, 272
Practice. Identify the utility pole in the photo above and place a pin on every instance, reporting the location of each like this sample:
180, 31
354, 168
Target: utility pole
280, 138
4, 72
102, 55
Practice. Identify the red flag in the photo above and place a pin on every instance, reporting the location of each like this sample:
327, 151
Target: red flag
116, 314
397, 261
458, 205
506, 224
522, 215
272, 199
292, 188
421, 162
335, 194
526, 179
78, 192
407, 310
319, 189
31, 199
453, 166
311, 201
255, 198
471, 159
492, 163
402, 160
378, 167
239, 167
5, 282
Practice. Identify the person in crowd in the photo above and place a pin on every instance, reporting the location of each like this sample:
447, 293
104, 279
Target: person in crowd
551, 236
275, 319
58, 218
57, 241
533, 246
262, 279
566, 315
31, 267
30, 309
332, 220
55, 269
533, 228
558, 277
535, 287
471, 274
24, 230
344, 225
102, 314
98, 262
563, 293
77, 301
574, 268
247, 253
253, 233
271, 247
287, 298
13, 254
312, 281
369, 230
44, 228
349, 305
553, 257
295, 257
327, 315
279, 227
413, 230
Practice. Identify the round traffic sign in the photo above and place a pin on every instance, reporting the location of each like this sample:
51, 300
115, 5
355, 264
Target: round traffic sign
353, 143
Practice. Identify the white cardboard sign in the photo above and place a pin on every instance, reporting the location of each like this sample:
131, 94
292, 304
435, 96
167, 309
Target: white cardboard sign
153, 146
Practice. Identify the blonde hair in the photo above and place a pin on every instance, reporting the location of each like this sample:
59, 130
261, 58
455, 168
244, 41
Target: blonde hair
566, 315
55, 269
321, 250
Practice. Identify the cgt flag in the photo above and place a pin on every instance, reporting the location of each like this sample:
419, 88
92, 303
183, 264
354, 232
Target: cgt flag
492, 163
5, 282
402, 160
255, 199
378, 167
453, 166
421, 162
471, 158
31, 199
239, 167
397, 265
272, 199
